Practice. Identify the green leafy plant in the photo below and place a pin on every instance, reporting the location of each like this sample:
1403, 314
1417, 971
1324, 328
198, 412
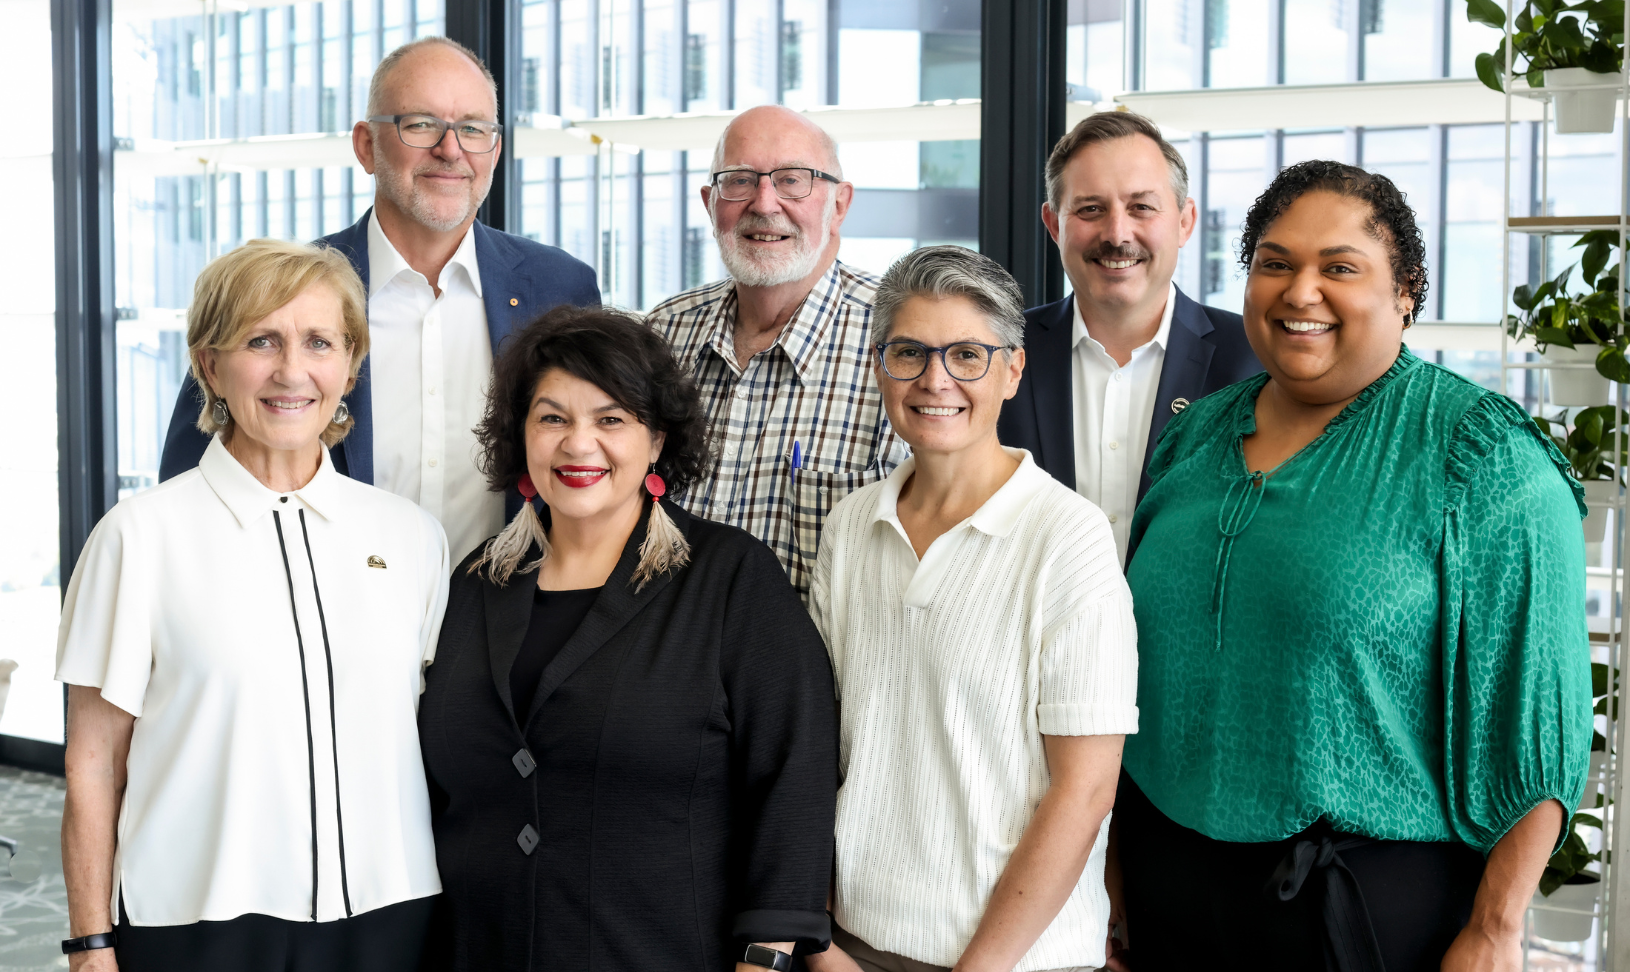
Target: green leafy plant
1553, 314
1550, 34
1599, 691
1590, 445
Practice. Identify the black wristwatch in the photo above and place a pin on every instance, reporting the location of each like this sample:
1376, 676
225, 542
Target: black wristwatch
766, 958
89, 942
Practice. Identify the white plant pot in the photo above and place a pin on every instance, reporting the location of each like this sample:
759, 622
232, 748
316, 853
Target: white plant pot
1582, 111
1598, 491
1567, 914
1575, 386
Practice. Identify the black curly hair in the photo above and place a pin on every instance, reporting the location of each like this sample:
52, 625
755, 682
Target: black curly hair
616, 353
1391, 220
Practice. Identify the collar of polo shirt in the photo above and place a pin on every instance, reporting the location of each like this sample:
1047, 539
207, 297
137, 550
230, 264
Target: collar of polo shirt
999, 514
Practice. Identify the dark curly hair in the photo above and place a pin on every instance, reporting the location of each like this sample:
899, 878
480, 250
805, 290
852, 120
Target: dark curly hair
616, 353
1391, 220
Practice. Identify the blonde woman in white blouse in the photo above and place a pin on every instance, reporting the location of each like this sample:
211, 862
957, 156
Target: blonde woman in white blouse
244, 648
986, 660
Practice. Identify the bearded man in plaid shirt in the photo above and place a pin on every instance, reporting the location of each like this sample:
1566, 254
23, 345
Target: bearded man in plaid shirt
781, 350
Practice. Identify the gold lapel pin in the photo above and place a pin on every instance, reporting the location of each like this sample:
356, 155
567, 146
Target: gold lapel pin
514, 302
1178, 404
374, 560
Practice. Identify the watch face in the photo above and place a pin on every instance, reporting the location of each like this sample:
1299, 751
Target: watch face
765, 958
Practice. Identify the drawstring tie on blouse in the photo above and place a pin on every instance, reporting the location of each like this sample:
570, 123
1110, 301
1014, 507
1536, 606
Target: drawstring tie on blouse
1348, 931
1238, 509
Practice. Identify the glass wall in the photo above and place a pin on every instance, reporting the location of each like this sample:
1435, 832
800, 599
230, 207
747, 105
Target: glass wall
637, 216
30, 577
234, 73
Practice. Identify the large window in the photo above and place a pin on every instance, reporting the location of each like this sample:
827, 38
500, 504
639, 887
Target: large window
636, 215
30, 577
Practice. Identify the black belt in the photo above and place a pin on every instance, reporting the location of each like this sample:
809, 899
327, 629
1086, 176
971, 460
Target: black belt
1350, 944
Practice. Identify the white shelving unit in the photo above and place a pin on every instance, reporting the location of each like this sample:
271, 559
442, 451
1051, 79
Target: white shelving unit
1612, 910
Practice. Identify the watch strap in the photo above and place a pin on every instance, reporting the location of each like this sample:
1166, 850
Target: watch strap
767, 958
89, 942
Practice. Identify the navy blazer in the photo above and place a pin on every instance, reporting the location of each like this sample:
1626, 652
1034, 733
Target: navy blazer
520, 280
1206, 350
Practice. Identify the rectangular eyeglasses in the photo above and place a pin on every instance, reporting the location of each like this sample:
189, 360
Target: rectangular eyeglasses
427, 131
736, 185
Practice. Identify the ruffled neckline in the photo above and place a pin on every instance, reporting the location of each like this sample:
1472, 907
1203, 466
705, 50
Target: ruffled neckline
1405, 362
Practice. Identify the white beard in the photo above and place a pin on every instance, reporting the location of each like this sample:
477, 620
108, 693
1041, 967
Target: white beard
767, 270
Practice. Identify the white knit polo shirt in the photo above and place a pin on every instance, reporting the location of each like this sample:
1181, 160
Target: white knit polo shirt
1016, 623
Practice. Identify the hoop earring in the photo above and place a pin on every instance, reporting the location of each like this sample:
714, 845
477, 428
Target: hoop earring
342, 414
220, 414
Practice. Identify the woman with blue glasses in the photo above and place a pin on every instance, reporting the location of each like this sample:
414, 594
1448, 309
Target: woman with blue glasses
985, 655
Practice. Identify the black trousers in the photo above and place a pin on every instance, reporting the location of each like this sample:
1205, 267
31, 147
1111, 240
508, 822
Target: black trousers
1191, 899
389, 939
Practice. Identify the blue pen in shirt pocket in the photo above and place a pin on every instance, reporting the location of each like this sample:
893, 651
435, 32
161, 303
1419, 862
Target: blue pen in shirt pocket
797, 461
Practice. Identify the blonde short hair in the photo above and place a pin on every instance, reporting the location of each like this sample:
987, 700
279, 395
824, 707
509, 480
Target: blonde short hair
242, 288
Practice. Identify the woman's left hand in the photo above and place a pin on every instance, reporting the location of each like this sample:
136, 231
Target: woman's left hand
1476, 950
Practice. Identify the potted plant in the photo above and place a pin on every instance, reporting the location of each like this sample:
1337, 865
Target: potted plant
1589, 448
1570, 328
1558, 45
1565, 902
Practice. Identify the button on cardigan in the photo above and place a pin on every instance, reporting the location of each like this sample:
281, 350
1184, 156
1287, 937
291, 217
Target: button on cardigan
271, 647
1388, 633
1016, 624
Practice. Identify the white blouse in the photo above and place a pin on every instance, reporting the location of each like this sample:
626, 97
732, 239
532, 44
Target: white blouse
272, 648
1015, 624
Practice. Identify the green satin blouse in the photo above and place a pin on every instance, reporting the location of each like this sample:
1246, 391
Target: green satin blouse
1388, 632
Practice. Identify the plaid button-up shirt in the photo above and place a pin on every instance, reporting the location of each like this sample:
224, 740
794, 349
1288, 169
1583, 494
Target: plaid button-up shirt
813, 386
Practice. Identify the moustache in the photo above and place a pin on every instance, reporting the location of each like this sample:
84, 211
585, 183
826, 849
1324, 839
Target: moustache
1115, 251
457, 170
748, 225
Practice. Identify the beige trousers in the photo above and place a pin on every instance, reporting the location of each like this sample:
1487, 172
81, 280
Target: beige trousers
876, 960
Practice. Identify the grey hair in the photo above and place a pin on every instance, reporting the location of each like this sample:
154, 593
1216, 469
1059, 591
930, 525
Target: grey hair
938, 272
376, 85
1107, 126
832, 166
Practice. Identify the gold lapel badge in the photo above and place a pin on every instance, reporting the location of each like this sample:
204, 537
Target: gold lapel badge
1178, 404
374, 560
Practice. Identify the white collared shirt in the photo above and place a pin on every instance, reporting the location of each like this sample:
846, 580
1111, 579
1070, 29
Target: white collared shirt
1114, 405
1016, 623
432, 360
274, 669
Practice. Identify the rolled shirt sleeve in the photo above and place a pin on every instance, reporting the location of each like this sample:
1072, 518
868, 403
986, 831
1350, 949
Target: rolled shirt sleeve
1089, 668
1516, 660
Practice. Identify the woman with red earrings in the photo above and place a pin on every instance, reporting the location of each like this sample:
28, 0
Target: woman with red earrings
629, 727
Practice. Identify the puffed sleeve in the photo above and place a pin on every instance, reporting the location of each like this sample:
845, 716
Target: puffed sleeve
778, 684
105, 639
1089, 639
437, 577
1516, 659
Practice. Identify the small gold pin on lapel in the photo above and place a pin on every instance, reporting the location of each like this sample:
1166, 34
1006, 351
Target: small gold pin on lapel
1178, 404
374, 560
514, 302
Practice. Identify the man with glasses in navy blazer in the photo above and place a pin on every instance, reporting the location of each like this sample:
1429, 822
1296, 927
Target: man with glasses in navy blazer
443, 291
1114, 361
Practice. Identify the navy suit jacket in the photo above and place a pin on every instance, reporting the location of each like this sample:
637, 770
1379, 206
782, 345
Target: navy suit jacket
520, 280
1206, 350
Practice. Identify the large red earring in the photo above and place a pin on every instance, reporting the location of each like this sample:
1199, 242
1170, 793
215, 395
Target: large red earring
524, 484
655, 486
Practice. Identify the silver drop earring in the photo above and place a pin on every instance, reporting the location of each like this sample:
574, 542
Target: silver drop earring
220, 414
342, 414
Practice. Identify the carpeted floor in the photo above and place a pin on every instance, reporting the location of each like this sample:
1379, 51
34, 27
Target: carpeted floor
33, 916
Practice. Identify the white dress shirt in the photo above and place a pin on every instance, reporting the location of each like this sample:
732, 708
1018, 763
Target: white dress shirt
271, 647
432, 361
1113, 407
1016, 623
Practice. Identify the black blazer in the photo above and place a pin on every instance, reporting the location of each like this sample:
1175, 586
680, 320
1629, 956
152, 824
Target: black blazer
1207, 351
685, 785
520, 280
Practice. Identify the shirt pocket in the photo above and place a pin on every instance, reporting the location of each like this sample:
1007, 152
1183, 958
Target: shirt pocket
814, 493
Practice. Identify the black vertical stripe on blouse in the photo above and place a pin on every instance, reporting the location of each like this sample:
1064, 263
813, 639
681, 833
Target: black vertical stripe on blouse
556, 616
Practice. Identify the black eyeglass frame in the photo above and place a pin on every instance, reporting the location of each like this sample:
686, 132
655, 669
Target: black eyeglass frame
928, 357
395, 121
713, 180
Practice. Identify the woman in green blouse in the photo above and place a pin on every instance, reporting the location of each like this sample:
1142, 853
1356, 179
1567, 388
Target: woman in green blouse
1359, 583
